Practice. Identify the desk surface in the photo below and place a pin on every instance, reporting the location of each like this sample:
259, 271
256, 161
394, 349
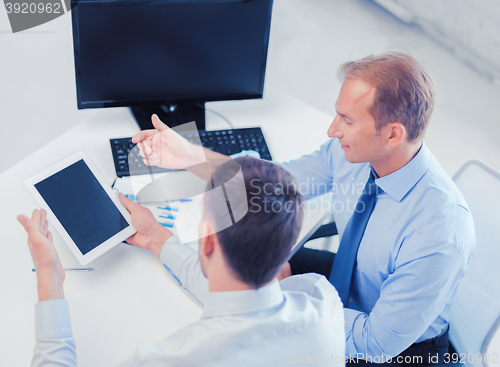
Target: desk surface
129, 297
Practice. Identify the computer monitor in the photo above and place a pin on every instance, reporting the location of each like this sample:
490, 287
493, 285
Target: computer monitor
169, 57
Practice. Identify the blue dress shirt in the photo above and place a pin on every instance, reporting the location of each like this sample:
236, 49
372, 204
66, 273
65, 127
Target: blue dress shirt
417, 246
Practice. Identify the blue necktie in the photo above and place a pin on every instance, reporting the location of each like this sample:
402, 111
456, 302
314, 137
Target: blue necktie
343, 264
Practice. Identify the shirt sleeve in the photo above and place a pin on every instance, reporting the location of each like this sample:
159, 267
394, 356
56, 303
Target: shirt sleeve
54, 342
411, 298
182, 261
314, 172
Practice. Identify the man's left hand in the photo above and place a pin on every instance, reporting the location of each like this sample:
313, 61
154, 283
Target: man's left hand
49, 271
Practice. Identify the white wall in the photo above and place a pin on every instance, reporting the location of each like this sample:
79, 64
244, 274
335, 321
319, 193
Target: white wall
311, 38
468, 28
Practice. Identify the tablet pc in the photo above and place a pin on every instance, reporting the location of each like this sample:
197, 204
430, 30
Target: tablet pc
81, 206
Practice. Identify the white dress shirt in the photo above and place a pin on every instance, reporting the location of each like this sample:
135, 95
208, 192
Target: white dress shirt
297, 320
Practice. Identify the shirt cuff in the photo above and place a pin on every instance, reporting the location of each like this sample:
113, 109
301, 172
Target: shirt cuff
52, 320
174, 254
350, 317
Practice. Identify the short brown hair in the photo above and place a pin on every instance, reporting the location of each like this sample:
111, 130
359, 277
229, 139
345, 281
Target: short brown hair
256, 246
405, 91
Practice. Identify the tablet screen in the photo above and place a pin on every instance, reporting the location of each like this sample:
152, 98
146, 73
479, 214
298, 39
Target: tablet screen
82, 206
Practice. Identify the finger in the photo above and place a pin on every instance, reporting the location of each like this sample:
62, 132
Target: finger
29, 225
22, 219
49, 236
145, 148
43, 222
35, 218
127, 203
158, 124
143, 135
45, 228
141, 150
150, 157
153, 157
131, 240
149, 162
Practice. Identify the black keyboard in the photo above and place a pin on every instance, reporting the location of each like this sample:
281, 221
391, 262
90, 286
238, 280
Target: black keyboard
227, 142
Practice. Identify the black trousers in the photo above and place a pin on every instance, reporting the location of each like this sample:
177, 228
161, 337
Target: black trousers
427, 353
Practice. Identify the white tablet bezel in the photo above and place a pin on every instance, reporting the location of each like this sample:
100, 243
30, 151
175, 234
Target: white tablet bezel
56, 167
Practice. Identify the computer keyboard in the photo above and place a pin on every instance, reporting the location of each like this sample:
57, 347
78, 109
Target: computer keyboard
127, 158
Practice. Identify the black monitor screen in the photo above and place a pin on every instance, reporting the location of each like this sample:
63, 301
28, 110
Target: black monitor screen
128, 52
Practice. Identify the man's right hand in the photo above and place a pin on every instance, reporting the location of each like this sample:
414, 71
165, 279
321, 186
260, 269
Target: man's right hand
163, 147
150, 235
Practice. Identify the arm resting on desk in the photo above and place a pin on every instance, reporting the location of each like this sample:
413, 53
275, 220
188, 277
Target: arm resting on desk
181, 259
54, 342
184, 263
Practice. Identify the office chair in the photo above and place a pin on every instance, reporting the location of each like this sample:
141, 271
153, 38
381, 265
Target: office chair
475, 317
326, 230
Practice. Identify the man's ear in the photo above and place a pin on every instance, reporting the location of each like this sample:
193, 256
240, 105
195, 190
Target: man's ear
396, 133
207, 242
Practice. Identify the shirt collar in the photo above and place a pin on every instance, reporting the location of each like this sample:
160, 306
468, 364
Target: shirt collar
398, 183
241, 302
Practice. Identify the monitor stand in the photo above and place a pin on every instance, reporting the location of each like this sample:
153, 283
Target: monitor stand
172, 114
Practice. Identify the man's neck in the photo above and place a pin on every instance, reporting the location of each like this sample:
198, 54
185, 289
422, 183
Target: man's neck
229, 284
397, 159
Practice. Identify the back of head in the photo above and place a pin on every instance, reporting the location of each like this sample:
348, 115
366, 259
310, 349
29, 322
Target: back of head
256, 246
405, 91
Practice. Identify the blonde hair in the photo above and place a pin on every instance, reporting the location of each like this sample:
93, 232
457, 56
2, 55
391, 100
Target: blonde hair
405, 91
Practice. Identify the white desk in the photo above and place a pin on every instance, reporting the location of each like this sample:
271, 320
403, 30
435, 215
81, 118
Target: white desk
129, 297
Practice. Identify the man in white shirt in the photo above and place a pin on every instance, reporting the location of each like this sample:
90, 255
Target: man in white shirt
249, 318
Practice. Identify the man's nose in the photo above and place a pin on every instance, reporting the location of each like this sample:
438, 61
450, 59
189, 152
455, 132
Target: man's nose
333, 130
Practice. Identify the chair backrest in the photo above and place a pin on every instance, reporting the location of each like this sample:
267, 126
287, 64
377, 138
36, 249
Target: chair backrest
475, 317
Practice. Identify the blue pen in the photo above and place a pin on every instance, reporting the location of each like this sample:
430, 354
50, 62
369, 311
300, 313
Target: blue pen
72, 269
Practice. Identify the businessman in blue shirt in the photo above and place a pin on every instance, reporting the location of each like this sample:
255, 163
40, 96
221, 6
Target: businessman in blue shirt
419, 239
